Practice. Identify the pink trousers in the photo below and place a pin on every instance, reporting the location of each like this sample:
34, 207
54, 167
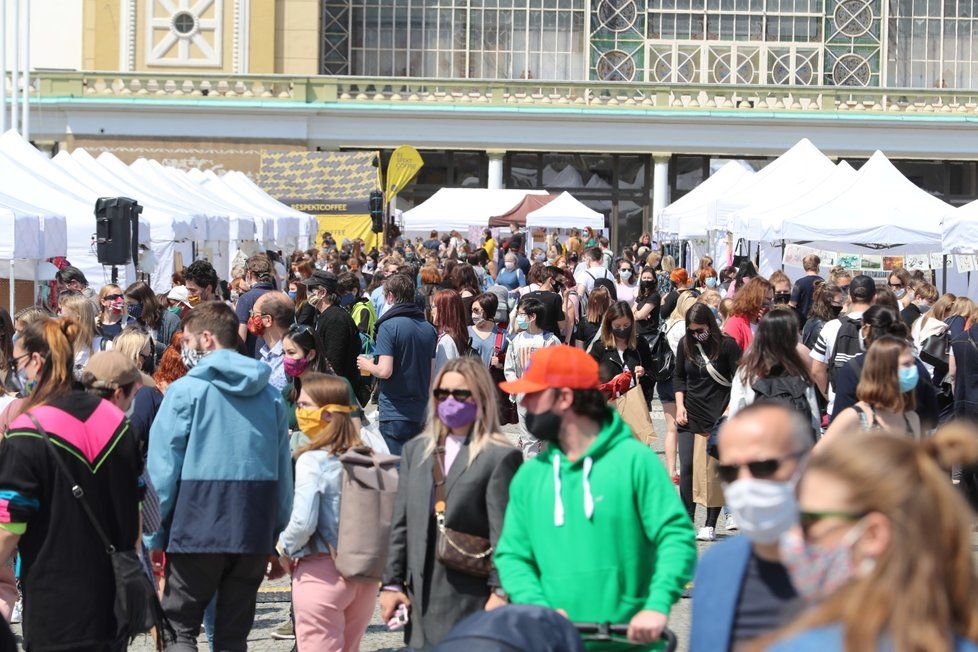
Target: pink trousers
331, 614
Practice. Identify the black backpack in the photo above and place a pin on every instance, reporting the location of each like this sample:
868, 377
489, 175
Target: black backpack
787, 390
847, 345
663, 359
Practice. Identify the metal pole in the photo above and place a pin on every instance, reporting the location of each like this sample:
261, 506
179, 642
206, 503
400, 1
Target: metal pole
3, 66
944, 278
14, 66
12, 283
25, 120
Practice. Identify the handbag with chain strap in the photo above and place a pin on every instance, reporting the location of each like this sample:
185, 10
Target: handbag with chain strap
466, 553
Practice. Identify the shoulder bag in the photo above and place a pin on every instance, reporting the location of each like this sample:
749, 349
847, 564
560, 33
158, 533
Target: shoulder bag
710, 369
465, 553
137, 608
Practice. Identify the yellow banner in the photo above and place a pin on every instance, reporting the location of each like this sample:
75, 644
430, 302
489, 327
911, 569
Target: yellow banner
348, 226
404, 164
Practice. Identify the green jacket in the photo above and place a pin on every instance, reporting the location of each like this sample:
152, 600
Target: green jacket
610, 540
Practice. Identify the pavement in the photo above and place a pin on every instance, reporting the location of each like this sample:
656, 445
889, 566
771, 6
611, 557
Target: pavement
273, 600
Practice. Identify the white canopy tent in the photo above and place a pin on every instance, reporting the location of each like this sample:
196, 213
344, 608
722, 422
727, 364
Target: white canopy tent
878, 210
460, 208
264, 220
564, 212
287, 220
959, 230
799, 164
692, 208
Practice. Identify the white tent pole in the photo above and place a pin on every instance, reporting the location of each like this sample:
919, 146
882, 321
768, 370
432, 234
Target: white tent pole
12, 281
14, 66
3, 66
25, 120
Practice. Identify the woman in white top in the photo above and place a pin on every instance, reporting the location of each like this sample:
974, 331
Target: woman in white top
626, 283
773, 368
448, 316
82, 311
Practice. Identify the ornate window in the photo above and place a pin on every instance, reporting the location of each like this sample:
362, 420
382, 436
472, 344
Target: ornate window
184, 33
931, 48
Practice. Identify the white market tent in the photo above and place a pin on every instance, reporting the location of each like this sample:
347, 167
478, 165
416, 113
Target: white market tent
759, 221
264, 224
959, 230
879, 210
460, 208
693, 206
799, 164
288, 222
564, 212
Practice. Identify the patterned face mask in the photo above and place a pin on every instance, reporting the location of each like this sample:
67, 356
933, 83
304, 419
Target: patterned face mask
816, 570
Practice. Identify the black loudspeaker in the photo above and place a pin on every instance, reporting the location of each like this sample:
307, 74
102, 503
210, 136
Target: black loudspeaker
116, 224
376, 211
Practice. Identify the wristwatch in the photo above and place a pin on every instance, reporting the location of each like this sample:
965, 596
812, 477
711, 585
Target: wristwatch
499, 593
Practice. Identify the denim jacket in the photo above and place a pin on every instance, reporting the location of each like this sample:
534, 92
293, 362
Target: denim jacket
315, 516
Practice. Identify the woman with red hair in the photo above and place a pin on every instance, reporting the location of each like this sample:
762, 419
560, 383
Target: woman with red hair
448, 316
681, 282
751, 302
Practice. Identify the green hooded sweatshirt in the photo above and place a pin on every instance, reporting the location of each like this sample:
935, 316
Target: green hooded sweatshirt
602, 538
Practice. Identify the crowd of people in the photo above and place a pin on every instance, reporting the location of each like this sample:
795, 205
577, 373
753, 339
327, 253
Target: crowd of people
209, 429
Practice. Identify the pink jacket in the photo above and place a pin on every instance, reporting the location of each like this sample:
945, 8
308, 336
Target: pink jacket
738, 327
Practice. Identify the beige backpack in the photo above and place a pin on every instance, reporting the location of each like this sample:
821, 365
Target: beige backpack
366, 510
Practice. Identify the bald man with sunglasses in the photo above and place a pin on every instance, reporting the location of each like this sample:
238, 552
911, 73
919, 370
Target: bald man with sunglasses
741, 590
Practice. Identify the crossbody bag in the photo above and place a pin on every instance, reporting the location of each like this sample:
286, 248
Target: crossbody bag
466, 553
137, 608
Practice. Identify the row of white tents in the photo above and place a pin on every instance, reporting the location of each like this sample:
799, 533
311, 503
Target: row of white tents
47, 210
804, 197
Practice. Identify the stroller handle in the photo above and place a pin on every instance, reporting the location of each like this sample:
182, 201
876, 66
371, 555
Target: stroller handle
604, 631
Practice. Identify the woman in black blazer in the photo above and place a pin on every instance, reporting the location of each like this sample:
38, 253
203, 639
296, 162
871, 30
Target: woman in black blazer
618, 348
463, 431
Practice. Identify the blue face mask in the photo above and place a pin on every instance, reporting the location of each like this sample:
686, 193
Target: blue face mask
522, 322
292, 294
908, 378
711, 282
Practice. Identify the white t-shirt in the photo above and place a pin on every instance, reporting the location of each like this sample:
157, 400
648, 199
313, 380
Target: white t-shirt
445, 350
588, 276
825, 346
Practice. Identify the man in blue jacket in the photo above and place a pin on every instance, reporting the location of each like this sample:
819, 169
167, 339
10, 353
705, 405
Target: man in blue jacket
219, 459
742, 590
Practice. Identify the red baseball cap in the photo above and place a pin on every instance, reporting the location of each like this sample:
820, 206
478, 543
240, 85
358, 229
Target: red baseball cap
555, 367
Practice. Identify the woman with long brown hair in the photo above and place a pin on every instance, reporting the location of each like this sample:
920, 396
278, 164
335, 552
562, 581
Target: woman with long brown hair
145, 309
598, 302
885, 394
884, 548
476, 463
331, 613
448, 317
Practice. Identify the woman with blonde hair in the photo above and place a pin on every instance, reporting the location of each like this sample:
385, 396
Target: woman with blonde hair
883, 553
463, 450
885, 395
598, 302
331, 613
112, 304
82, 311
663, 278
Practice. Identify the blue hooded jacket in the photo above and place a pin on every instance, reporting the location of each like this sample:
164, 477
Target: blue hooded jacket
219, 459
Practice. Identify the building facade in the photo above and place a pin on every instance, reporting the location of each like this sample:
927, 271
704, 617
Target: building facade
627, 104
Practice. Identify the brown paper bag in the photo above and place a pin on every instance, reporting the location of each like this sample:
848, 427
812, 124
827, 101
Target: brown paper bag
707, 490
634, 411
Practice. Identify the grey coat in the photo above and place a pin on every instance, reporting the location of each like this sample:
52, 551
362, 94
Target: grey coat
476, 497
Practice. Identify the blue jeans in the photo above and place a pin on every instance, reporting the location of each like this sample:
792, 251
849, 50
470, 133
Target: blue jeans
398, 433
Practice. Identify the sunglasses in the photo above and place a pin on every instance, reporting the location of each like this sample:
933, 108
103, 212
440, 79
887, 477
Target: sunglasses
807, 520
759, 469
896, 286
113, 297
458, 394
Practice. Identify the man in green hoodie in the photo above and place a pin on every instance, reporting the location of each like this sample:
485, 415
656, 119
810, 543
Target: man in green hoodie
594, 527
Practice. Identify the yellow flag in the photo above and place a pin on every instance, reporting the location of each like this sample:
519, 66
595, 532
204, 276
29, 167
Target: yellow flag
404, 164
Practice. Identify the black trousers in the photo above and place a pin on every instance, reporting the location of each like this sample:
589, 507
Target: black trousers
686, 442
191, 582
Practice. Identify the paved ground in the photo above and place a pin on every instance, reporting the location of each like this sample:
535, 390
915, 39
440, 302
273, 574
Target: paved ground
273, 607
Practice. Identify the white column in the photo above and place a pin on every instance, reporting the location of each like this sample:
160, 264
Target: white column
14, 66
495, 181
3, 66
660, 186
25, 119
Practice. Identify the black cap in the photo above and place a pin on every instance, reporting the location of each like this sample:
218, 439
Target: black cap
321, 278
862, 288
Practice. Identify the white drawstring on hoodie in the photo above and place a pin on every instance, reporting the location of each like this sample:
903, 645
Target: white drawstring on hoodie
588, 497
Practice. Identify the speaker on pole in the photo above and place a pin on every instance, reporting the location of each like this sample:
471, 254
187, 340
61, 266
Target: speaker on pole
116, 229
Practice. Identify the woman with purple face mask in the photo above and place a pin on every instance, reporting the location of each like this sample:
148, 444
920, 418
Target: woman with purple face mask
475, 463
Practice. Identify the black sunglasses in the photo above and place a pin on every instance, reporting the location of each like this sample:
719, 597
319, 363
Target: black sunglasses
760, 469
112, 297
458, 394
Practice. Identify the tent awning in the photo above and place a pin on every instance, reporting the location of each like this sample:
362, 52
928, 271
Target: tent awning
460, 208
516, 216
564, 212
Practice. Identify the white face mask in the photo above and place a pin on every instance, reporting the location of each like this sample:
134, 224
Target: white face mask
764, 509
625, 274
510, 265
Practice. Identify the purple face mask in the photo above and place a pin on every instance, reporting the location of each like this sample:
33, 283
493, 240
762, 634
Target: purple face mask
457, 414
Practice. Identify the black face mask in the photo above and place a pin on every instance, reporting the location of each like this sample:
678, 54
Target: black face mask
147, 366
544, 426
835, 311
623, 333
645, 286
782, 297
